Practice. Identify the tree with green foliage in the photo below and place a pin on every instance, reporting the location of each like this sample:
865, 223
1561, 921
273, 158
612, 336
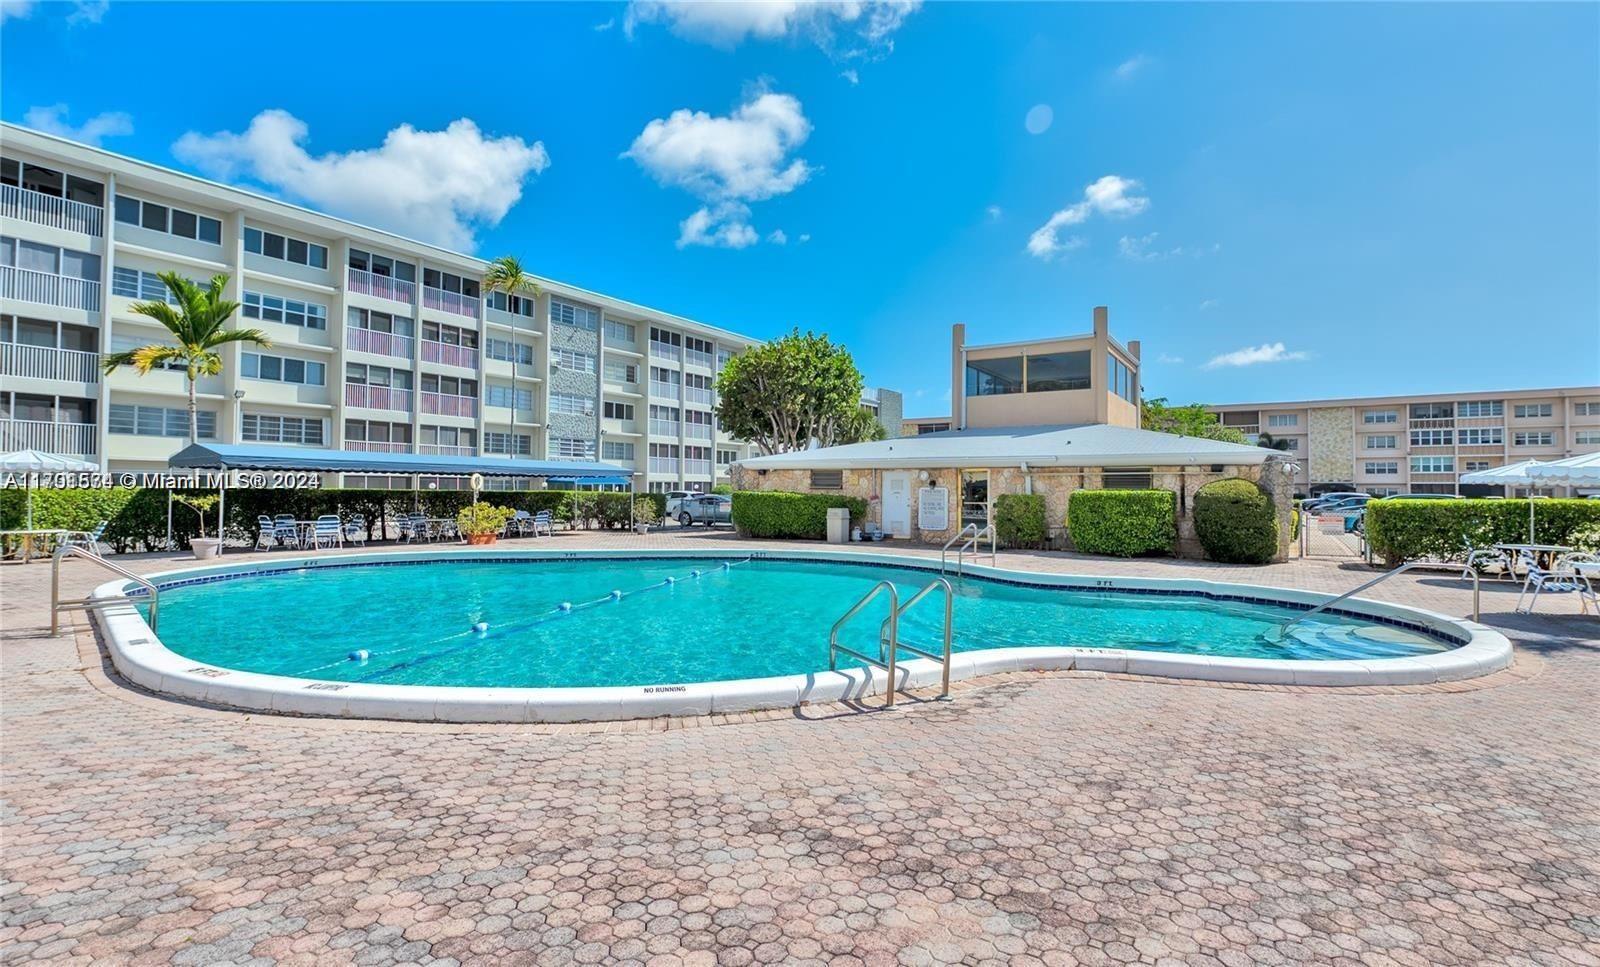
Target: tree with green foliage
785, 393
1192, 420
507, 276
196, 322
862, 427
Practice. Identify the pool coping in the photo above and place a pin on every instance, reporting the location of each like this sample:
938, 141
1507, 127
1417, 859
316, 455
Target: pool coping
140, 656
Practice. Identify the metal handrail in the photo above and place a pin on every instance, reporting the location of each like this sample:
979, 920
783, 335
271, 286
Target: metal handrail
973, 544
57, 605
943, 658
894, 632
1283, 628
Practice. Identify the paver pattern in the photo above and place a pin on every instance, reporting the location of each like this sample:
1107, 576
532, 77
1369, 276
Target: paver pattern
1050, 819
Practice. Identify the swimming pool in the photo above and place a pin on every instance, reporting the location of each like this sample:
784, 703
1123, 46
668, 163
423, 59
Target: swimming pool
543, 631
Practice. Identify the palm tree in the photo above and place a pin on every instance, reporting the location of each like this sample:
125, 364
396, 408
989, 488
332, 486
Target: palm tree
507, 275
1271, 442
196, 322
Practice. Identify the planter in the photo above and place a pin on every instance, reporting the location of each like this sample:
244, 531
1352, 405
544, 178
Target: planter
482, 538
205, 548
641, 528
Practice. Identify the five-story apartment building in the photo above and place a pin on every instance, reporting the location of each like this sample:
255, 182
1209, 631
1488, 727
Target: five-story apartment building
378, 342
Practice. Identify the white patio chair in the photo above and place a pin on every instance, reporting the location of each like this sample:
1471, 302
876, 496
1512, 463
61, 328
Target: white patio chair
355, 529
266, 533
1560, 578
88, 540
1488, 556
519, 522
542, 521
287, 530
327, 532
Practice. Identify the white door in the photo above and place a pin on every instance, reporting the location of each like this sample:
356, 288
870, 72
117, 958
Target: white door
897, 503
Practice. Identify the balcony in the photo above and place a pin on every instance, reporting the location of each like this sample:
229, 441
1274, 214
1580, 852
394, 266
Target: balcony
377, 397
382, 286
694, 394
452, 302
441, 404
664, 465
378, 343
698, 431
376, 446
25, 204
662, 350
47, 362
446, 450
697, 468
72, 439
665, 391
450, 355
665, 428
1433, 424
48, 289
695, 357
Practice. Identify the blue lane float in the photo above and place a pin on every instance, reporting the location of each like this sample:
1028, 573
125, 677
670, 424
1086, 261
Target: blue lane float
360, 654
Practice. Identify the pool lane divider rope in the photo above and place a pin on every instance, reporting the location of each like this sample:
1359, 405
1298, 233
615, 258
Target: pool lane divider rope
482, 631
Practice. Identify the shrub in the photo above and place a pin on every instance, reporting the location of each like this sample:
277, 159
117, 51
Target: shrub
761, 513
1235, 522
477, 519
645, 510
1406, 530
1123, 523
1019, 520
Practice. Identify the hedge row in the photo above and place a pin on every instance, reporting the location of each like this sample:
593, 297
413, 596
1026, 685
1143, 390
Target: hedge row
1235, 522
1019, 520
778, 514
138, 518
1123, 523
1406, 530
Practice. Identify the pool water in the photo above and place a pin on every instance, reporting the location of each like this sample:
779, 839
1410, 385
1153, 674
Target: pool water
736, 619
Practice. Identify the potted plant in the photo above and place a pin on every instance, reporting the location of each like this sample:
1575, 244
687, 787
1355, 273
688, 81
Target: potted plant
204, 548
644, 514
482, 523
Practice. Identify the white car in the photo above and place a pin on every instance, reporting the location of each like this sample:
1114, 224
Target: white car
675, 499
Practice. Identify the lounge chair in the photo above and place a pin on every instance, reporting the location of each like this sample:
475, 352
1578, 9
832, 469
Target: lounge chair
287, 530
355, 529
327, 531
1488, 556
88, 540
542, 521
266, 533
1560, 578
519, 523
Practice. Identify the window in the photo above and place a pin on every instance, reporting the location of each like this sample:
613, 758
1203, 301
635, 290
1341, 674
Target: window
932, 428
570, 448
379, 265
170, 221
1119, 378
283, 369
1126, 478
572, 359
449, 385
296, 430
1586, 409
727, 458
380, 322
160, 421
616, 450
275, 246
1431, 438
571, 405
364, 375
1385, 442
994, 377
1433, 464
827, 480
1473, 466
1483, 436
1533, 411
1587, 438
136, 284
621, 372
618, 411
48, 181
1380, 416
511, 444
671, 377
1048, 372
619, 331
579, 317
666, 337
1481, 408
1433, 411
516, 305
449, 335
510, 397
723, 355
372, 431
450, 282
1537, 438
508, 351
271, 308
49, 259
448, 436
1283, 419
1382, 468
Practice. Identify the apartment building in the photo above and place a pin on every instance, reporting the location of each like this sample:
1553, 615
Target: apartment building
1422, 444
378, 342
887, 406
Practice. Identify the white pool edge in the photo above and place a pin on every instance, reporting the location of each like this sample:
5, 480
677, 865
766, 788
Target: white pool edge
139, 656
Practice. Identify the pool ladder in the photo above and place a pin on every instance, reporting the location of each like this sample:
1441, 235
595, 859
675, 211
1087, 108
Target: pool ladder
973, 543
889, 643
87, 604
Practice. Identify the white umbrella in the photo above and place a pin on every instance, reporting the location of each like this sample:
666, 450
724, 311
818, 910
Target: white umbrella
1582, 470
33, 461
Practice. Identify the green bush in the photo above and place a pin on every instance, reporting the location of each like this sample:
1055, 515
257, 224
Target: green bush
1123, 523
1235, 522
479, 519
1019, 520
761, 513
1406, 530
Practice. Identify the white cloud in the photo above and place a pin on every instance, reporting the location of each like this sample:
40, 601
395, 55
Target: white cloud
438, 186
804, 238
1127, 70
1207, 305
605, 25
1143, 248
1038, 119
83, 11
1254, 355
20, 9
841, 28
727, 162
778, 237
1111, 196
1164, 358
53, 120
994, 213
851, 75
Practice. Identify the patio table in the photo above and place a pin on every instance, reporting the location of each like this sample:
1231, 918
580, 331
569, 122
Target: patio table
28, 536
1541, 552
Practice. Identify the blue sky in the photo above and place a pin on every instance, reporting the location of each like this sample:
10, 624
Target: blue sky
1279, 201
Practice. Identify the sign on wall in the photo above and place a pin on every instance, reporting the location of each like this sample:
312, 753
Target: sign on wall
933, 508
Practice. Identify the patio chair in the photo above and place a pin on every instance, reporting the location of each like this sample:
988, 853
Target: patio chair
1488, 556
355, 529
266, 533
1560, 578
519, 523
327, 531
88, 540
542, 521
287, 530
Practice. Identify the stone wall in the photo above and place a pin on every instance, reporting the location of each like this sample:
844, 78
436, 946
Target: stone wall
1331, 445
575, 425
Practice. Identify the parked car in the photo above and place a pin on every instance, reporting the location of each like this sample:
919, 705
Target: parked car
1422, 497
675, 499
707, 509
1314, 505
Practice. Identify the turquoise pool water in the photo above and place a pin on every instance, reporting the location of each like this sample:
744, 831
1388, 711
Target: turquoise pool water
750, 619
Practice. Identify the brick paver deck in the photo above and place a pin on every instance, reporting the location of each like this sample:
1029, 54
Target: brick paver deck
1044, 818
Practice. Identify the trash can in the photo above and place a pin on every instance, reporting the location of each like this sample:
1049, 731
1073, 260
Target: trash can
838, 525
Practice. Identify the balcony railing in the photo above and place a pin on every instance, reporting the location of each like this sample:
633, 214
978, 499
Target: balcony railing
377, 397
49, 289
1433, 424
666, 391
512, 320
664, 428
664, 465
382, 286
28, 205
663, 350
454, 302
47, 362
444, 404
451, 355
694, 394
378, 343
698, 431
695, 357
697, 468
73, 439
446, 450
377, 446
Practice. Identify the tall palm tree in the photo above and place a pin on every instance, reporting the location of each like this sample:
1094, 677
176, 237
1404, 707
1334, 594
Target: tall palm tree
506, 275
197, 323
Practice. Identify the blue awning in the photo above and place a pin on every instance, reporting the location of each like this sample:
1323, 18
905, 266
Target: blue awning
228, 456
590, 481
